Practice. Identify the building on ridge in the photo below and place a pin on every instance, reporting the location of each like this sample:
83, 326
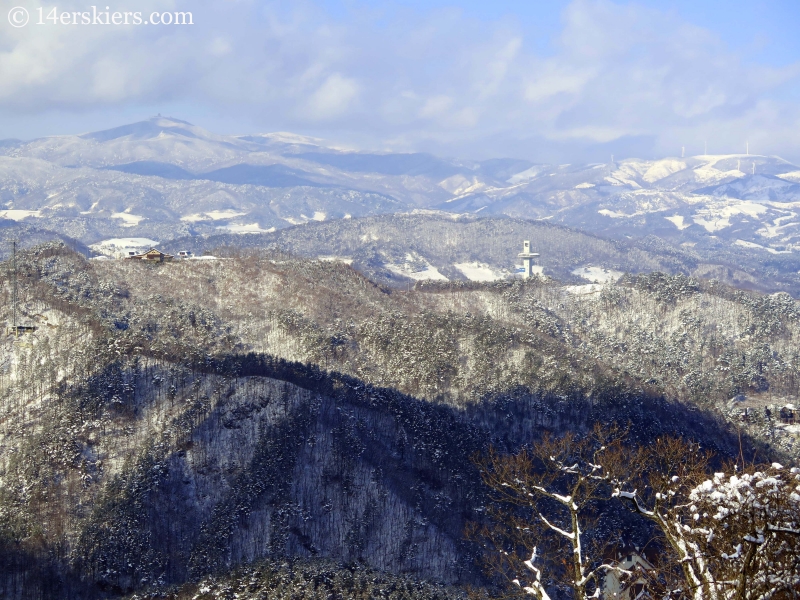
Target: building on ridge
151, 255
527, 259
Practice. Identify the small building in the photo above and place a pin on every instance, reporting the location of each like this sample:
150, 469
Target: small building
151, 255
633, 559
184, 254
527, 259
19, 330
788, 414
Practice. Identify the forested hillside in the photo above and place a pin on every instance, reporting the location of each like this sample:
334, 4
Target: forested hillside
168, 422
402, 248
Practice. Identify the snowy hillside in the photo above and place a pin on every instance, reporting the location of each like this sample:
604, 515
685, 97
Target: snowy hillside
164, 178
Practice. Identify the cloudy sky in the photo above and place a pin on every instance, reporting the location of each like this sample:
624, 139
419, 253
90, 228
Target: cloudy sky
550, 81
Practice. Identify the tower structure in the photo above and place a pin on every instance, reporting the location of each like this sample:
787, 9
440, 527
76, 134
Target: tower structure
527, 259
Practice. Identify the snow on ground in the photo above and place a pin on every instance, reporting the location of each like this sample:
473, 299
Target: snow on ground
416, 268
458, 185
717, 215
610, 213
213, 215
663, 168
18, 215
583, 290
760, 247
246, 228
584, 186
129, 219
793, 176
597, 274
774, 230
677, 220
118, 247
345, 259
527, 174
476, 271
708, 172
319, 216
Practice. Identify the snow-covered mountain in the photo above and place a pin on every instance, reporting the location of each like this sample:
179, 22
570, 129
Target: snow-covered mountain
164, 178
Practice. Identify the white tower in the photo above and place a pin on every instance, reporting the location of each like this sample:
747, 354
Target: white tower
527, 259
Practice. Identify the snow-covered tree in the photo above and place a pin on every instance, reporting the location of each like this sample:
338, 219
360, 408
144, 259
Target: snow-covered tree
735, 535
546, 505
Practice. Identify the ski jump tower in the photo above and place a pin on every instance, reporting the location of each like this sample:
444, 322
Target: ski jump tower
527, 259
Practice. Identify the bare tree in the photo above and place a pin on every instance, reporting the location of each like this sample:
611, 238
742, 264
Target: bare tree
546, 501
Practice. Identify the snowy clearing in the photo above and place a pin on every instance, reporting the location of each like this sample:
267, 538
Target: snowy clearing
129, 219
345, 259
597, 274
117, 247
583, 290
246, 228
476, 271
18, 215
746, 244
416, 268
677, 220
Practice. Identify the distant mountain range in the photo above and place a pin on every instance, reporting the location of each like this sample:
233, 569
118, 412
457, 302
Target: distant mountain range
163, 179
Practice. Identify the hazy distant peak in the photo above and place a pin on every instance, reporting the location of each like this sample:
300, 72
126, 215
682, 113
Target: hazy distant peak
149, 129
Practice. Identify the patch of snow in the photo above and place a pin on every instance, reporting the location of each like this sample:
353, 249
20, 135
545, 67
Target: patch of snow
663, 168
412, 270
218, 215
746, 244
458, 184
774, 230
597, 274
476, 271
793, 176
213, 215
195, 218
715, 217
677, 220
345, 259
319, 216
129, 219
610, 213
526, 175
583, 290
584, 186
18, 215
118, 247
246, 228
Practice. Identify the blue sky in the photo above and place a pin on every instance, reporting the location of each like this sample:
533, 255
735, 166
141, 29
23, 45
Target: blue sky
561, 81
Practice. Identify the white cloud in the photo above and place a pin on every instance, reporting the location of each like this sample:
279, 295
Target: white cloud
436, 106
437, 80
333, 98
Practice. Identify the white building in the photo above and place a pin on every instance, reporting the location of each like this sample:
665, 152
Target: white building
633, 587
527, 259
